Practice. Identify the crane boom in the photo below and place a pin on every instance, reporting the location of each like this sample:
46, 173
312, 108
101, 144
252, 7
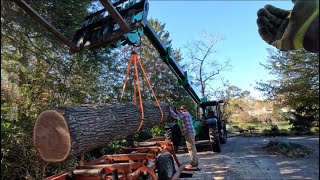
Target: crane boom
165, 54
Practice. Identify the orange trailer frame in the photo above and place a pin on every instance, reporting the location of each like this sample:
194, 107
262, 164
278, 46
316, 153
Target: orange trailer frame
126, 166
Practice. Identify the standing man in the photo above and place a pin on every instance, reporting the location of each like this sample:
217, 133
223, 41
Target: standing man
188, 132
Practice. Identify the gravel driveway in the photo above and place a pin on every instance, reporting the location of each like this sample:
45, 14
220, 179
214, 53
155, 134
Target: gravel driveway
243, 158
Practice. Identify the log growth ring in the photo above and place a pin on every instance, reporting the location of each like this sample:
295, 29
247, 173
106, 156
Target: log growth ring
51, 136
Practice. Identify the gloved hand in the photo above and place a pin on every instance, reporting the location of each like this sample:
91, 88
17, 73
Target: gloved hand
291, 30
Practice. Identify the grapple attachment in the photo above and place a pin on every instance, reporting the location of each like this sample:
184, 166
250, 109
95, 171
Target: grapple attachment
118, 23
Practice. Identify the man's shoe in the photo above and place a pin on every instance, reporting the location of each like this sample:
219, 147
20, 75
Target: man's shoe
190, 166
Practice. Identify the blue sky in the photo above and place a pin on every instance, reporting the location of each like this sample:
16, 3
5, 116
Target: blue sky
235, 21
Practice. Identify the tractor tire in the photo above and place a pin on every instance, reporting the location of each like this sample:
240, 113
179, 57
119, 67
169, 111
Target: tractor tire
172, 134
165, 167
224, 134
214, 139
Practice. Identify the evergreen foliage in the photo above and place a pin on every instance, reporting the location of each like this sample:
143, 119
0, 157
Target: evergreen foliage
296, 86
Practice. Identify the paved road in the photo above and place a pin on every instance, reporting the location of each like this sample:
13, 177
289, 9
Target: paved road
243, 158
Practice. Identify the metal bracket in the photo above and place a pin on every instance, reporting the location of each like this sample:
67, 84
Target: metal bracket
115, 15
185, 81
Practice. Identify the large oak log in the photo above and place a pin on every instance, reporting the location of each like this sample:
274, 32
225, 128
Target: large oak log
63, 132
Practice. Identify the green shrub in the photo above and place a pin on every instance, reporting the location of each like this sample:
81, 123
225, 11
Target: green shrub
157, 131
314, 130
281, 132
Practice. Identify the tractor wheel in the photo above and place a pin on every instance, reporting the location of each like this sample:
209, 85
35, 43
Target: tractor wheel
165, 167
224, 134
214, 139
171, 135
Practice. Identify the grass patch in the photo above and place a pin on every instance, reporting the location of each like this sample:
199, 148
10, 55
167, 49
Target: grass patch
279, 148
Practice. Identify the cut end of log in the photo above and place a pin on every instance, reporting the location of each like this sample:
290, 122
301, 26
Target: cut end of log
51, 136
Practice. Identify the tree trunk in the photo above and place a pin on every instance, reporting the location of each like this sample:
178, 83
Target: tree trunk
63, 132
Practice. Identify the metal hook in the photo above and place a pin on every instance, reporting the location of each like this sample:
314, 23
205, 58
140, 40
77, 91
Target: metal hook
133, 48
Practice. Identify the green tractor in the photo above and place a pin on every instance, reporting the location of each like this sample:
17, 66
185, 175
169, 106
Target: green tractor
210, 127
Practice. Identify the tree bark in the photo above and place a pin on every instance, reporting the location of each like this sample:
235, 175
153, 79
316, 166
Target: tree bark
63, 132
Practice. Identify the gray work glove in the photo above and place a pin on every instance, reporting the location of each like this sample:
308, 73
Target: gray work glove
291, 30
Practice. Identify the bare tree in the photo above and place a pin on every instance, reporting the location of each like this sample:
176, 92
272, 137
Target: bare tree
201, 63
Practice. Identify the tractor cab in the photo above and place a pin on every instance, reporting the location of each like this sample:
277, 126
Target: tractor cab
210, 109
212, 125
